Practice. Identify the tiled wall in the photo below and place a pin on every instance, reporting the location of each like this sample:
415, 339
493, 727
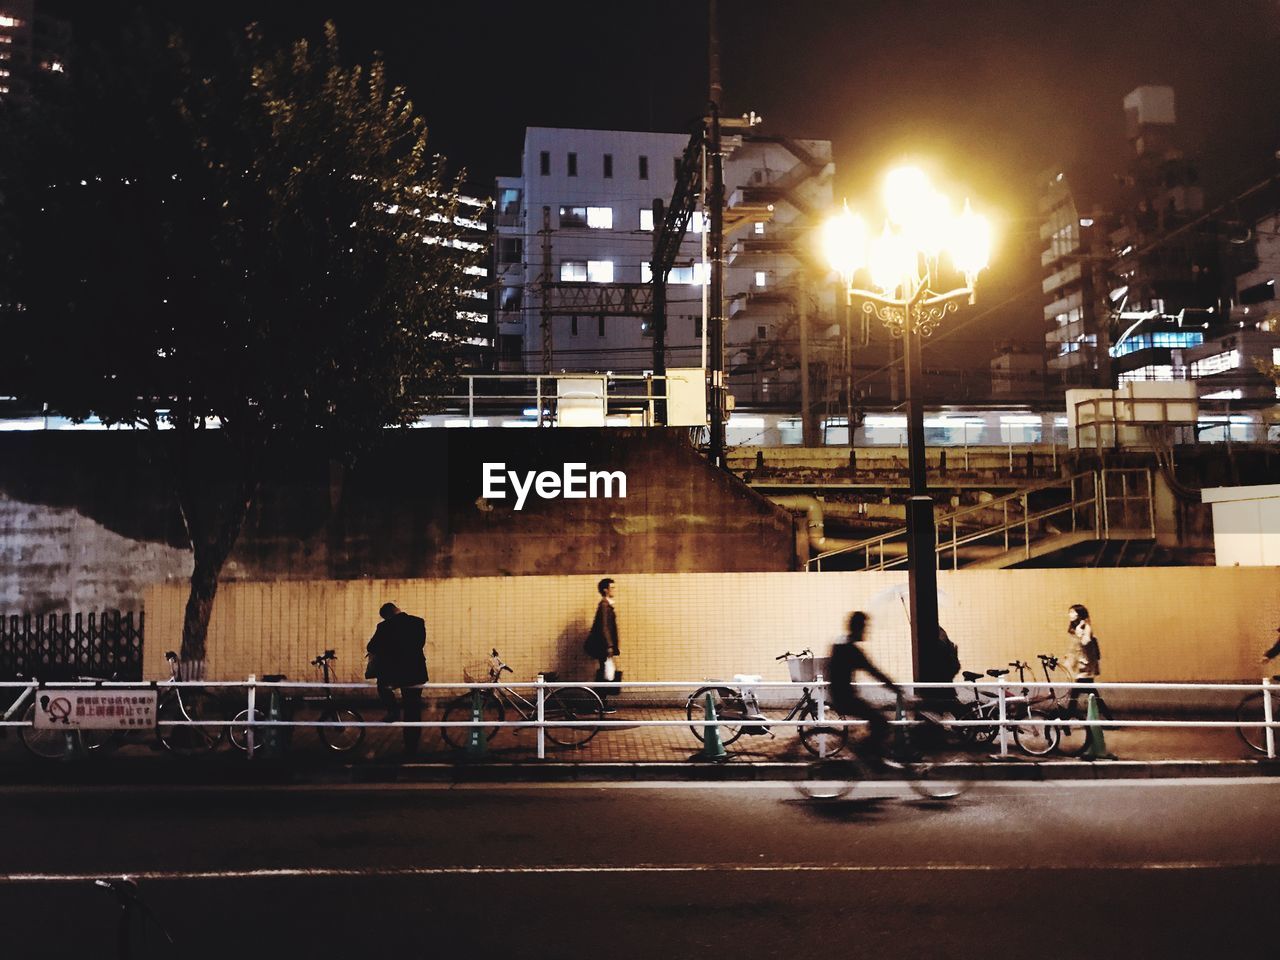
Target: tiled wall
1172, 623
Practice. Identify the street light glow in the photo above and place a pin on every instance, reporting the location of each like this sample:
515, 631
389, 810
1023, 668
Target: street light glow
970, 244
844, 240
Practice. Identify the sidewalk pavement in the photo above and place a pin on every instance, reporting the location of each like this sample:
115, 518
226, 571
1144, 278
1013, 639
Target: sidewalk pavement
620, 751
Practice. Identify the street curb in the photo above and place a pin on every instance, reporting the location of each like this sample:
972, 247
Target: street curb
268, 773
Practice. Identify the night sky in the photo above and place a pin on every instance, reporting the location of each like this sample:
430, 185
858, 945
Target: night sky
987, 91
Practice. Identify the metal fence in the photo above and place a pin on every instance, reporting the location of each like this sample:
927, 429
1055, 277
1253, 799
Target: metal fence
66, 646
1003, 693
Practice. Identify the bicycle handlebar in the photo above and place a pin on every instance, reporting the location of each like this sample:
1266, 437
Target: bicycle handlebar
806, 652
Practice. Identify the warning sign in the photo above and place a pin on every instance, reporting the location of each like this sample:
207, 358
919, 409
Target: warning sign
95, 709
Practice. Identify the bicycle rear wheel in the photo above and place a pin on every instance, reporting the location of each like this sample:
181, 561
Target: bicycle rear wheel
570, 704
460, 710
1033, 735
829, 779
1250, 710
342, 739
727, 703
187, 722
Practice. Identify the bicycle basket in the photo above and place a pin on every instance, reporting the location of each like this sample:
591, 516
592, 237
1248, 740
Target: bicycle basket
806, 669
478, 672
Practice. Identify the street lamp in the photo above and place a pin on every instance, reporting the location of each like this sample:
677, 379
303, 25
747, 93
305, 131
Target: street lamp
904, 263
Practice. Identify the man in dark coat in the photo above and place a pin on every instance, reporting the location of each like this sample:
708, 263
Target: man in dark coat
396, 659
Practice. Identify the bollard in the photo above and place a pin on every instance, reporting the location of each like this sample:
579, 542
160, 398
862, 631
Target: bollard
273, 740
900, 729
1095, 746
712, 748
477, 736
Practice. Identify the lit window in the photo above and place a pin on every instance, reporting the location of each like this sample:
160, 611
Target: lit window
762, 279
696, 222
646, 218
1218, 363
7, 21
759, 228
573, 216
573, 271
646, 272
600, 271
600, 218
509, 201
510, 299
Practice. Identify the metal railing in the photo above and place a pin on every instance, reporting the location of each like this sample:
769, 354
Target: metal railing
642, 396
999, 689
1097, 502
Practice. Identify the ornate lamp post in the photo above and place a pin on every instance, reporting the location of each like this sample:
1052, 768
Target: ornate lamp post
905, 266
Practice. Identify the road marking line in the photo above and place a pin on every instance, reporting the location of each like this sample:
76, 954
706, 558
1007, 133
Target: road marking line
559, 869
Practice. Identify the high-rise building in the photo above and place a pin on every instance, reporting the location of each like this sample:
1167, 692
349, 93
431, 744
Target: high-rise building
32, 40
581, 211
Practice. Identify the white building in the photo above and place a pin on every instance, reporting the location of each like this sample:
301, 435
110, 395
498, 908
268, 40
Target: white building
598, 188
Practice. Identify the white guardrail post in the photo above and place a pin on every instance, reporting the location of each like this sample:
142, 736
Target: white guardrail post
1004, 731
821, 697
1268, 715
253, 705
540, 692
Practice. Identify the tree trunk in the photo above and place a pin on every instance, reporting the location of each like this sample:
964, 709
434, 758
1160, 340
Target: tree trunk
214, 509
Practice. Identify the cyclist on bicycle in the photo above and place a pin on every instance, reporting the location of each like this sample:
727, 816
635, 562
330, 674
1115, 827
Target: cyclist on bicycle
847, 659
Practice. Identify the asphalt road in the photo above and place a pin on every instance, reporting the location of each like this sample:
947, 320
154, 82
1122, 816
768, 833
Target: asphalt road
1059, 869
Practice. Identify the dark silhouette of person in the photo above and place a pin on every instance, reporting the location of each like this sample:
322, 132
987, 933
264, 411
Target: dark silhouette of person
396, 659
847, 659
602, 641
1274, 649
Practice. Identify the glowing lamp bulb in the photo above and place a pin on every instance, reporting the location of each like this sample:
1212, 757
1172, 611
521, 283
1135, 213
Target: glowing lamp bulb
844, 240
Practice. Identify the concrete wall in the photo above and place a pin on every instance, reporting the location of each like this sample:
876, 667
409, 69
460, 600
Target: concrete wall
1188, 623
1246, 525
87, 520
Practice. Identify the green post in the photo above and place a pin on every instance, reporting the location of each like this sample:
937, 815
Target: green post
712, 747
899, 729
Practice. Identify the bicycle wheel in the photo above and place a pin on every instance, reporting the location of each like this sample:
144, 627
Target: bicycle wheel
460, 710
238, 732
341, 739
568, 704
936, 781
47, 744
1250, 710
824, 741
185, 722
728, 706
1033, 735
829, 779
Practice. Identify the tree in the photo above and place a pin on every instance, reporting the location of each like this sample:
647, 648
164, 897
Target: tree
219, 234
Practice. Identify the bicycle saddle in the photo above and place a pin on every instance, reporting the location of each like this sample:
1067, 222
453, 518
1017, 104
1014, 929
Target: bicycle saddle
996, 673
970, 676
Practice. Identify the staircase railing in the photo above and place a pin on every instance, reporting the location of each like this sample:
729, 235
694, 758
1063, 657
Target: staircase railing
1097, 502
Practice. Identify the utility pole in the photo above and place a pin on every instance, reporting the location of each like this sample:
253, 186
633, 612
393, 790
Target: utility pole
716, 245
659, 318
802, 321
546, 290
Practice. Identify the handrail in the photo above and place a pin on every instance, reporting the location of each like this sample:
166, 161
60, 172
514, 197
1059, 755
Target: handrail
949, 517
1098, 500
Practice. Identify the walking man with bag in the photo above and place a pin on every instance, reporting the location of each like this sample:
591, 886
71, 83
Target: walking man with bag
602, 641
396, 659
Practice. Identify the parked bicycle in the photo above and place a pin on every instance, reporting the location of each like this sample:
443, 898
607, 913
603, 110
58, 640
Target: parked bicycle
738, 702
1030, 731
570, 703
189, 721
338, 726
1251, 710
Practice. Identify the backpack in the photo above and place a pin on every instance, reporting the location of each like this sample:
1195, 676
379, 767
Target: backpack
948, 657
1093, 652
